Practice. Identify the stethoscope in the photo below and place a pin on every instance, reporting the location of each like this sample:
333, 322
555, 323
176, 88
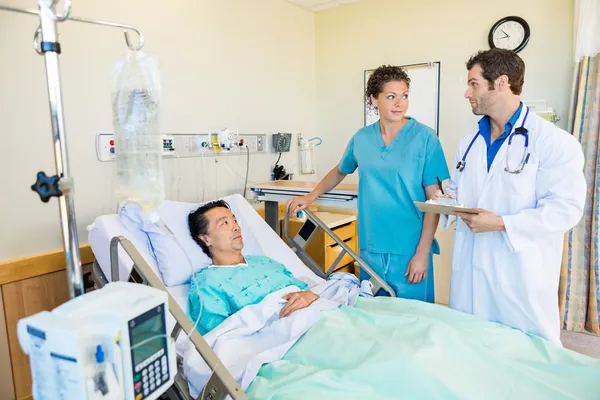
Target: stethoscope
518, 131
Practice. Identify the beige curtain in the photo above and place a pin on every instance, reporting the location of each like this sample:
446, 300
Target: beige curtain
579, 293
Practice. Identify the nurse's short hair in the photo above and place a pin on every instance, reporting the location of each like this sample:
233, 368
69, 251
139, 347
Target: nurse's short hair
198, 223
498, 62
381, 76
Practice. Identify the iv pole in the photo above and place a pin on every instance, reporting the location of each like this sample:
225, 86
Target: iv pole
61, 185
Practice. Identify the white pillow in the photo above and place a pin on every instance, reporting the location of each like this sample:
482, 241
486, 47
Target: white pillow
178, 256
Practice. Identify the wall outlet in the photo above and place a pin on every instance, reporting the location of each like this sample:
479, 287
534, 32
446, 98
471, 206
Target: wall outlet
251, 142
182, 146
198, 144
260, 144
105, 147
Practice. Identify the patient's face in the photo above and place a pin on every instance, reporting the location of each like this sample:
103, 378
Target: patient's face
224, 233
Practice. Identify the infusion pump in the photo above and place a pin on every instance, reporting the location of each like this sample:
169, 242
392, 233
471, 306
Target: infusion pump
111, 343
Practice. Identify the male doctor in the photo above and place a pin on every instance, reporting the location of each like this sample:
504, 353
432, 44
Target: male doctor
525, 176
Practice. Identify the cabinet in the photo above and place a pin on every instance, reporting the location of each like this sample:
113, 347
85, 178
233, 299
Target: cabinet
322, 248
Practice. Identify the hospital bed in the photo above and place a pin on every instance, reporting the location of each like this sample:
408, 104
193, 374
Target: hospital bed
533, 357
124, 254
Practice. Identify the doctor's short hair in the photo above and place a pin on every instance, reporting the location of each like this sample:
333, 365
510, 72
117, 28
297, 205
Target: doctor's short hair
198, 223
497, 62
381, 76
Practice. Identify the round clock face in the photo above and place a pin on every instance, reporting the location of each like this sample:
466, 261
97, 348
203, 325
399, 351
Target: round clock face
511, 33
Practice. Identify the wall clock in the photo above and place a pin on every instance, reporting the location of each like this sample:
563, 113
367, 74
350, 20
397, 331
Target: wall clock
511, 33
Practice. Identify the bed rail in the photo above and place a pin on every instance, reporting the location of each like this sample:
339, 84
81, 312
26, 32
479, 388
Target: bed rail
306, 232
221, 383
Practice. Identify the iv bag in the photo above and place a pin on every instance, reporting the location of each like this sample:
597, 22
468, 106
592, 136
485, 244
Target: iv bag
138, 145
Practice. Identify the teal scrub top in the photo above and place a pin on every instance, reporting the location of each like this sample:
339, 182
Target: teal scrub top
217, 292
390, 179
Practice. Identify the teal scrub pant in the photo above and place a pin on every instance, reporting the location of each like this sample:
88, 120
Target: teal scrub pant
392, 267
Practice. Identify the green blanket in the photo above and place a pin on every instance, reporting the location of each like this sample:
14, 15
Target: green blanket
386, 348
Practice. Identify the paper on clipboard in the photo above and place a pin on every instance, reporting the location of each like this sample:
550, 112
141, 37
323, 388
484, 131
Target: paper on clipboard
443, 209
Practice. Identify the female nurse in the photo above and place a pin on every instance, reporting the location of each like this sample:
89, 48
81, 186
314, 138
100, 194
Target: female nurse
399, 161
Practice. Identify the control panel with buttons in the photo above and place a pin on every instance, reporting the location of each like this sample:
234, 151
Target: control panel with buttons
150, 366
150, 374
168, 146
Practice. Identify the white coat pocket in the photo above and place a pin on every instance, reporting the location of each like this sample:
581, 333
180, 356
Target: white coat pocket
524, 269
520, 187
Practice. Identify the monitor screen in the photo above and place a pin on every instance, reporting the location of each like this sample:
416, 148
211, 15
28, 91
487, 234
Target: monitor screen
147, 337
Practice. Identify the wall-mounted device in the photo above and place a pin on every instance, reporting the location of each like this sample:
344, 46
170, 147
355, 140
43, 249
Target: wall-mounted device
168, 145
282, 142
279, 172
307, 153
223, 143
541, 108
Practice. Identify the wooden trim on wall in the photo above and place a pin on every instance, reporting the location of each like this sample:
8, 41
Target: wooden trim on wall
6, 374
29, 267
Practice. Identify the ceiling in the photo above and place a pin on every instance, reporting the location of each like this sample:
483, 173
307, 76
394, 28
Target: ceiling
318, 5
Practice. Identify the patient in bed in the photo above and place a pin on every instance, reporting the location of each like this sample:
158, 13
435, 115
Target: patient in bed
233, 281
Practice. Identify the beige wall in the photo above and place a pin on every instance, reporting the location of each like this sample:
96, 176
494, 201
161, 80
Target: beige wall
364, 35
260, 66
243, 64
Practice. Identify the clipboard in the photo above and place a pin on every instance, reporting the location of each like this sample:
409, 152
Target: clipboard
443, 209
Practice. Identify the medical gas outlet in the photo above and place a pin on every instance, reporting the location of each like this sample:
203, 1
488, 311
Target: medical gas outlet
175, 145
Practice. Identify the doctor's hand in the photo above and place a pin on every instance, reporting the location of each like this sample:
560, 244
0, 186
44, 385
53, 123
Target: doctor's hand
485, 221
417, 268
297, 301
298, 203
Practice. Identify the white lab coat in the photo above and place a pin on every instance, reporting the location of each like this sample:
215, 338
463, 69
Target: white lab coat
512, 277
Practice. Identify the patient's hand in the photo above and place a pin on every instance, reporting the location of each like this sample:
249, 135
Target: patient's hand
297, 301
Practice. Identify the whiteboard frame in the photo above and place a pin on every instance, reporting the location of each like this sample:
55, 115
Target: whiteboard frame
367, 73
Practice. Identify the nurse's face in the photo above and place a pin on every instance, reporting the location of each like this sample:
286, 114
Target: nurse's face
479, 94
224, 233
392, 102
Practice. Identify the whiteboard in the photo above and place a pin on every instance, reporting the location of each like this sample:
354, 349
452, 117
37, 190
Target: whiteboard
424, 97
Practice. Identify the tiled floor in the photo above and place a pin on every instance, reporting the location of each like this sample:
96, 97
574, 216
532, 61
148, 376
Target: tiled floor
582, 343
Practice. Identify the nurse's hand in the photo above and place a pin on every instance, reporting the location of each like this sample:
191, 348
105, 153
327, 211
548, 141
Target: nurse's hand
417, 268
485, 221
298, 203
297, 301
438, 194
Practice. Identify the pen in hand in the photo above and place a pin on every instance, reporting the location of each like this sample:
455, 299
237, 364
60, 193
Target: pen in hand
440, 184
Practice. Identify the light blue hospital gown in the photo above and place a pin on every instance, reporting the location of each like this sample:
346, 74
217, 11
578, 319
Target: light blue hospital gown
390, 179
224, 290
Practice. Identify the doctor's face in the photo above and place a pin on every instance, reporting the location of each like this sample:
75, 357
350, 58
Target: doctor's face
392, 102
479, 94
224, 233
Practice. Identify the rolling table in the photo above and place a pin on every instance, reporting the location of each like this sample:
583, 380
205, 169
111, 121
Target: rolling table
274, 192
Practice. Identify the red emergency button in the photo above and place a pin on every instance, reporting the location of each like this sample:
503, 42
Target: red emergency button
112, 142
